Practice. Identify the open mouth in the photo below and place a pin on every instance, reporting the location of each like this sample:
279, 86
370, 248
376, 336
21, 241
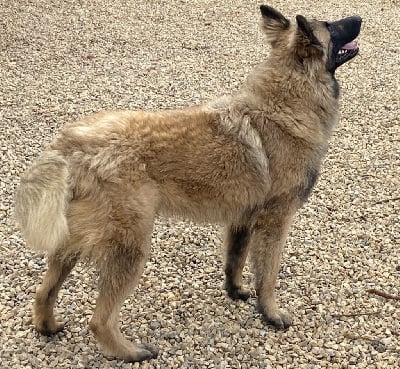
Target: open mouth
343, 35
347, 52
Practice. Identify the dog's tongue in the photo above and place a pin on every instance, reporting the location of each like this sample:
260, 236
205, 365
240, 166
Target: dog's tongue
350, 46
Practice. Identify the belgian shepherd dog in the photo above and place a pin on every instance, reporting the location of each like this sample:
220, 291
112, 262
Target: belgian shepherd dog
248, 160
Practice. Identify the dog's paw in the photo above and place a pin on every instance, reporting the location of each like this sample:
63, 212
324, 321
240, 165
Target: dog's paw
237, 293
151, 348
140, 356
142, 352
49, 327
279, 319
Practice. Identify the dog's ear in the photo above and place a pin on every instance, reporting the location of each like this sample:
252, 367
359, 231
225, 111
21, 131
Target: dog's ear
307, 45
273, 23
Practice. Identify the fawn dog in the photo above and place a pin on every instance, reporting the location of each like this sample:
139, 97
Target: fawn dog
248, 160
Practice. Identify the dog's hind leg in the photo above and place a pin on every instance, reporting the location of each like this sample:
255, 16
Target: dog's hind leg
118, 276
237, 247
125, 253
57, 272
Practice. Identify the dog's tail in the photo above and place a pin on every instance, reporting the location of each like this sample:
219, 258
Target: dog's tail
42, 201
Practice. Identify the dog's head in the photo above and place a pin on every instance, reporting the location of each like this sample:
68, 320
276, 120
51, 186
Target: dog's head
311, 42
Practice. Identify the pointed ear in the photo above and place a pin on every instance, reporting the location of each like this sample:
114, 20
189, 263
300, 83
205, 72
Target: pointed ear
273, 23
307, 44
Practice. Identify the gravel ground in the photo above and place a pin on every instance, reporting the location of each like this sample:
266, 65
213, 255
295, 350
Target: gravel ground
62, 59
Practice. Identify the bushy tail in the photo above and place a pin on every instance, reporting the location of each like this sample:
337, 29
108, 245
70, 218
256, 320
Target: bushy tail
41, 202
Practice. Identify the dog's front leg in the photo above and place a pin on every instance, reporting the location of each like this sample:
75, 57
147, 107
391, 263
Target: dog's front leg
237, 247
267, 240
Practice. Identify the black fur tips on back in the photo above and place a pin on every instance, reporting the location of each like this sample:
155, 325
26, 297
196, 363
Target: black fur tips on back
271, 13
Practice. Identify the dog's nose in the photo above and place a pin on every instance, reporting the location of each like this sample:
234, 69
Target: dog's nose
357, 19
346, 27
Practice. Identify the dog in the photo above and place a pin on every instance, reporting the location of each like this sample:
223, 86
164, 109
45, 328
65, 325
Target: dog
248, 161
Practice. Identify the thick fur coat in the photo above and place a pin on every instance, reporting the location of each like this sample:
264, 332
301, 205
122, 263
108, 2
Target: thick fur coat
248, 160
